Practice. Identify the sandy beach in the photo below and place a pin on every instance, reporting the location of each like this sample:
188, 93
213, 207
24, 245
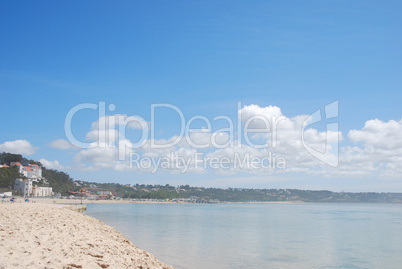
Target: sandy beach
44, 235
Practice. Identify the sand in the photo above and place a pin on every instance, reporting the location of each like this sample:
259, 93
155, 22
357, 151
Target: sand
43, 235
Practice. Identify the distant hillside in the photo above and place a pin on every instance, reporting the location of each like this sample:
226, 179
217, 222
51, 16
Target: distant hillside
63, 183
213, 195
59, 181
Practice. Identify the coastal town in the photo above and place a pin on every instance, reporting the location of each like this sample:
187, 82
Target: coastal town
28, 185
31, 179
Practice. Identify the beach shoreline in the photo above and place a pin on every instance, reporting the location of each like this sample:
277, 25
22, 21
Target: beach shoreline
47, 235
87, 201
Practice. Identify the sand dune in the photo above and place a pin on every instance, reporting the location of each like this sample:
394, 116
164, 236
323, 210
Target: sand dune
36, 235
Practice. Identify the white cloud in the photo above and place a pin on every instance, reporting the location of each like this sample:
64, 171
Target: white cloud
62, 144
283, 139
102, 135
112, 121
18, 147
379, 134
270, 113
284, 136
51, 164
378, 150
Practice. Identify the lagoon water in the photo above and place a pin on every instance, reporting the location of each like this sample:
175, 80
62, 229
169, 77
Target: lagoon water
262, 235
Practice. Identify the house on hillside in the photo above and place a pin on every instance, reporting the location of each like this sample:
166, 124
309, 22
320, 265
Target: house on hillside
30, 171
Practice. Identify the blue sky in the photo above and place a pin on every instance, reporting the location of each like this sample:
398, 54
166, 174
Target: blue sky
204, 57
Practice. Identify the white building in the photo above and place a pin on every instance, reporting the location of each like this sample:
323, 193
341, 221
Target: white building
31, 171
36, 171
24, 186
42, 191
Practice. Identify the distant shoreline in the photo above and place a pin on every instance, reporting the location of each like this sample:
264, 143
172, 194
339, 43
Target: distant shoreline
86, 201
58, 201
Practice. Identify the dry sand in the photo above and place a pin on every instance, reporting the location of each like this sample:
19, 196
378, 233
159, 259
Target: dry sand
39, 235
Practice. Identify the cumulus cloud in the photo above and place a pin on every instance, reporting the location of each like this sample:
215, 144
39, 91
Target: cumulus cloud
18, 147
288, 136
109, 144
51, 164
281, 135
105, 155
379, 150
111, 121
379, 134
62, 144
281, 144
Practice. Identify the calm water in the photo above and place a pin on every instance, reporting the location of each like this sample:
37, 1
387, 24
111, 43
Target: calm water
262, 235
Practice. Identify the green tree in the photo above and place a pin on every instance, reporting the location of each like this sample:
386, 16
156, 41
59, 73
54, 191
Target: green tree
8, 175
